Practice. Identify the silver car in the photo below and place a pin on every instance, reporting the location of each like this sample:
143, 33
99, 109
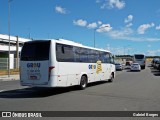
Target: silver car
119, 66
135, 67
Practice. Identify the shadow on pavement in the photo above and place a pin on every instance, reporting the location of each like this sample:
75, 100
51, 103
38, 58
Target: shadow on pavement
155, 72
34, 92
133, 71
42, 92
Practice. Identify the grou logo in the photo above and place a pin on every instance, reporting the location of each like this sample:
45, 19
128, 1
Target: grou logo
92, 66
33, 65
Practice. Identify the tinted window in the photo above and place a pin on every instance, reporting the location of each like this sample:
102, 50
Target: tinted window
128, 63
67, 53
139, 56
76, 52
97, 57
135, 64
112, 59
91, 56
83, 55
64, 53
104, 56
35, 51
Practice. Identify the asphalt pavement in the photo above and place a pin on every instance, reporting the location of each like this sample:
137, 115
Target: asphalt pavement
130, 91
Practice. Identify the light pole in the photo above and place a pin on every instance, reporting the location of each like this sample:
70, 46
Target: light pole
9, 37
125, 48
95, 34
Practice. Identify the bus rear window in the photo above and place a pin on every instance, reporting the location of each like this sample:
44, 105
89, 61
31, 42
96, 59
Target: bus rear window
139, 56
35, 51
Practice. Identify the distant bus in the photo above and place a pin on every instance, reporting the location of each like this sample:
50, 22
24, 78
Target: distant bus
141, 59
62, 63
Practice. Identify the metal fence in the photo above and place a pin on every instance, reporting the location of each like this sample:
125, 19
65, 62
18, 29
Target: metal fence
4, 63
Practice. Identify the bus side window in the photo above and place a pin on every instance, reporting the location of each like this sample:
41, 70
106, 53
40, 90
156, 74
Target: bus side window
91, 56
62, 49
64, 53
103, 57
76, 52
83, 55
112, 59
97, 56
108, 58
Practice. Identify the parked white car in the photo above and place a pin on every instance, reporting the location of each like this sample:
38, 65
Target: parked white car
135, 67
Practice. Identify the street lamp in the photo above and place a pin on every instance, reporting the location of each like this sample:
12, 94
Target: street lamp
95, 33
125, 48
9, 37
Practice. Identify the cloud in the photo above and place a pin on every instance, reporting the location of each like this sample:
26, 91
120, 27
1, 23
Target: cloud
98, 1
116, 34
80, 22
60, 10
153, 52
137, 39
142, 28
104, 28
99, 22
127, 34
128, 19
92, 25
158, 27
129, 25
117, 50
113, 4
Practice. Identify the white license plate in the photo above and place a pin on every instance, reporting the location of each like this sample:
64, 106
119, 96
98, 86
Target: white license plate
33, 78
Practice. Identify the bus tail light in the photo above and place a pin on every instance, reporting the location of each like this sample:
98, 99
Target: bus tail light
49, 71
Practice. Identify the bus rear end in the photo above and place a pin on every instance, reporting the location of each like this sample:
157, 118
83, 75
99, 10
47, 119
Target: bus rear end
35, 64
141, 59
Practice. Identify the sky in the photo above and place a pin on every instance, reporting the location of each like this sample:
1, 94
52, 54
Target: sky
121, 26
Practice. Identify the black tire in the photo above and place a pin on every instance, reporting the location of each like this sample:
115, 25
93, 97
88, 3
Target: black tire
143, 67
111, 79
83, 83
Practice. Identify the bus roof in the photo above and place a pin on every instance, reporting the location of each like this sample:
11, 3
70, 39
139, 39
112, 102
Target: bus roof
140, 54
68, 42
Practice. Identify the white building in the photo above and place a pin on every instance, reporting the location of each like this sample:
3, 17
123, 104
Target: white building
16, 44
4, 42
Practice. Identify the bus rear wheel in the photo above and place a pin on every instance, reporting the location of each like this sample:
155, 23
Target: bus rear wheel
111, 78
83, 83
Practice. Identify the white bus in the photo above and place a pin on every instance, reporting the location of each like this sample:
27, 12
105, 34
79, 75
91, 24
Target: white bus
62, 63
141, 59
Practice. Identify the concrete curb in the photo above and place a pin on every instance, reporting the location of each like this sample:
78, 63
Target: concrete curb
11, 78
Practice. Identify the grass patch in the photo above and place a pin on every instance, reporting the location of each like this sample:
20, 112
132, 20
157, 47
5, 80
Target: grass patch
12, 72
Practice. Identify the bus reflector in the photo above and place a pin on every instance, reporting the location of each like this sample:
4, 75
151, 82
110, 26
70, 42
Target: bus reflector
49, 71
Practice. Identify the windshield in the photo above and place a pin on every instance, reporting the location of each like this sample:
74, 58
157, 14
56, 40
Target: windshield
139, 56
35, 51
135, 64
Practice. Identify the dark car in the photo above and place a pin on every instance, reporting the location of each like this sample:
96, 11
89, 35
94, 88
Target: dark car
158, 65
154, 62
128, 64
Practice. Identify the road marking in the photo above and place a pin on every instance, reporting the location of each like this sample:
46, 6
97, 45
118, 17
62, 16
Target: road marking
1, 90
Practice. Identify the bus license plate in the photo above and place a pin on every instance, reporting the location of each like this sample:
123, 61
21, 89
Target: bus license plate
33, 78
